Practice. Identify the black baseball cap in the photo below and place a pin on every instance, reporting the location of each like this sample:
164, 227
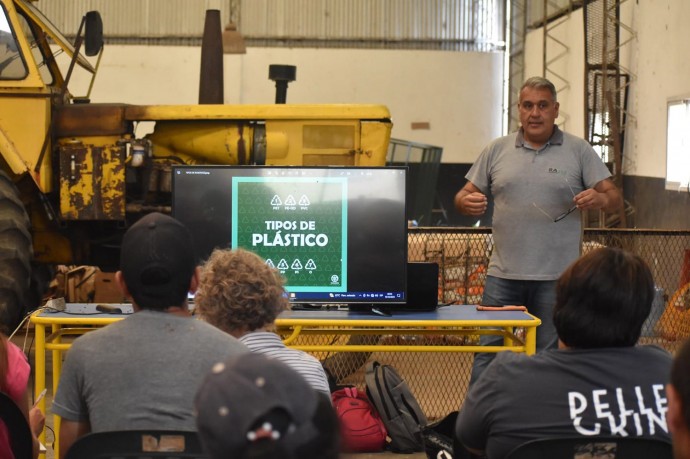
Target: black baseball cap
157, 261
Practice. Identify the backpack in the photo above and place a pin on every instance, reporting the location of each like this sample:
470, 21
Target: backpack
399, 410
438, 437
361, 428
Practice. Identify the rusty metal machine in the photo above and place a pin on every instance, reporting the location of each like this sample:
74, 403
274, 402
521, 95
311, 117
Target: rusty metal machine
73, 174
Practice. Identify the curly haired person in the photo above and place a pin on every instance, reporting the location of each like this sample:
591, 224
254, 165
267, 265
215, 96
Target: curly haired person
241, 295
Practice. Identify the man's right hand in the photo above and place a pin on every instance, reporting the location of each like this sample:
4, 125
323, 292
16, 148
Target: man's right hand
471, 201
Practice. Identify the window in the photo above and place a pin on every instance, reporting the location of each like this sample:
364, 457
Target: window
678, 145
11, 65
37, 50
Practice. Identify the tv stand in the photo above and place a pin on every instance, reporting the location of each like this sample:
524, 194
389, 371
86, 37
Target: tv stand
306, 307
375, 309
380, 312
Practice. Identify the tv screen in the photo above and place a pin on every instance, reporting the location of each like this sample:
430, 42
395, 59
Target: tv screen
337, 234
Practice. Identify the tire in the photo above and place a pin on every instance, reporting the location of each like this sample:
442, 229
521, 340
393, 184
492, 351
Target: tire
16, 252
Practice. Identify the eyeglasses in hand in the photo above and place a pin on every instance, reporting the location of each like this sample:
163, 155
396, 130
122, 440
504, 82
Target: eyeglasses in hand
564, 214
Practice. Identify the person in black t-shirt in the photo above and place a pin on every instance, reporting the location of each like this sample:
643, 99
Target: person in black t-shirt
598, 382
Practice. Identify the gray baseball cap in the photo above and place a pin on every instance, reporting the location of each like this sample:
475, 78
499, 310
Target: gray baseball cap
253, 406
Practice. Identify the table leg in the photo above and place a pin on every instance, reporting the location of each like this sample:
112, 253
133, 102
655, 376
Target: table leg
56, 356
57, 369
40, 370
530, 340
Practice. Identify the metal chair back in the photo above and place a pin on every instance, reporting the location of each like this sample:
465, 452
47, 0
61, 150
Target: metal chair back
608, 447
21, 440
137, 444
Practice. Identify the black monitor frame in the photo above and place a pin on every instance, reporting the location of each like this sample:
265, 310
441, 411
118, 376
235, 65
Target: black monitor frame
358, 216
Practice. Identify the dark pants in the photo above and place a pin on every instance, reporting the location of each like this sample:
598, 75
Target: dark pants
538, 296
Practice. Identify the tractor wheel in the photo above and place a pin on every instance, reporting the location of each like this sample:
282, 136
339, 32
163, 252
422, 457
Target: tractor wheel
16, 252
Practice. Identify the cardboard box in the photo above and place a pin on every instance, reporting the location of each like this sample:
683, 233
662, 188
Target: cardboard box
107, 290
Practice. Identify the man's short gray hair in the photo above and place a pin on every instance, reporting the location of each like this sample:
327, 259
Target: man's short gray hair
540, 83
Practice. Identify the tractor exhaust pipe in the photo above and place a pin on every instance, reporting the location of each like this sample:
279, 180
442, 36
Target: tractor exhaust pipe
282, 75
211, 78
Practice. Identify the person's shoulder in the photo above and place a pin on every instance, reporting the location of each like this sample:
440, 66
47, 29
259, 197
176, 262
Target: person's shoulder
510, 359
503, 141
97, 335
14, 353
86, 346
200, 326
513, 356
573, 140
520, 362
498, 147
17, 371
306, 357
505, 370
215, 337
654, 351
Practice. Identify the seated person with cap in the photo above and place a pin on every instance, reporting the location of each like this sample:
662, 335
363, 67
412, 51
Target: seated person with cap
254, 407
240, 294
143, 372
598, 382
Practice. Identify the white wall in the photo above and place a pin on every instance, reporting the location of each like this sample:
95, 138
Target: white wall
658, 60
458, 94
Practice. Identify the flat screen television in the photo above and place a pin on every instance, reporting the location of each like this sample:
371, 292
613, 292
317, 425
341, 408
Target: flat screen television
337, 234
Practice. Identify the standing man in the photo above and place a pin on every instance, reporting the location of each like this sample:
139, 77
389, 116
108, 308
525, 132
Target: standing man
143, 372
538, 177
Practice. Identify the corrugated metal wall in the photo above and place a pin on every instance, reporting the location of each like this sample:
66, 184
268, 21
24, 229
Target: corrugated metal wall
135, 18
463, 25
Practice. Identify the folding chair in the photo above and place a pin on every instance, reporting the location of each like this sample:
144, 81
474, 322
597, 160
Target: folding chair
18, 427
137, 444
604, 447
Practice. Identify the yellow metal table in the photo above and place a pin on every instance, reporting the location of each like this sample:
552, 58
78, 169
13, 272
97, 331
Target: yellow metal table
457, 320
322, 333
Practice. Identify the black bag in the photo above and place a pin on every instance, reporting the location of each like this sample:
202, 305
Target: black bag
397, 407
438, 437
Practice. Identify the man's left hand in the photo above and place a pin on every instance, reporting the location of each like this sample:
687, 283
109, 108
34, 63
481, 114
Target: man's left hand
605, 195
590, 199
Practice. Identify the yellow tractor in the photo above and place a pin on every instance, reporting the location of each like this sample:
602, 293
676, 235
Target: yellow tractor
74, 176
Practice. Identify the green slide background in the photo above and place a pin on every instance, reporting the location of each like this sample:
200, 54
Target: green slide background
315, 268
